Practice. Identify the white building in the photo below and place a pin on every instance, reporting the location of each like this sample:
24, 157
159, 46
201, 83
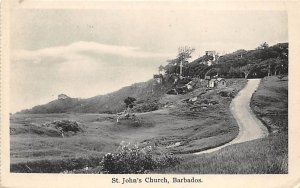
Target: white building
219, 83
62, 96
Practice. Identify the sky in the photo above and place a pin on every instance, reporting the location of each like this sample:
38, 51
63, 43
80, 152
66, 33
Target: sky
84, 53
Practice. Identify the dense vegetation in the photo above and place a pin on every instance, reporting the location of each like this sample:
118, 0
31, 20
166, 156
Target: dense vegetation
263, 61
132, 159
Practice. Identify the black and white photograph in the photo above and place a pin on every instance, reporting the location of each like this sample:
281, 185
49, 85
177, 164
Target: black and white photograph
141, 88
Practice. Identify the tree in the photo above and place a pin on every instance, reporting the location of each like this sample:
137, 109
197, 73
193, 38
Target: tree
212, 72
129, 101
160, 69
281, 66
184, 53
234, 72
263, 46
247, 69
174, 65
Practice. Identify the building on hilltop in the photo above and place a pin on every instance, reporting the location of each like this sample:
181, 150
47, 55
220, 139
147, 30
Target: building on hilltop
209, 58
158, 78
206, 77
213, 56
211, 53
62, 96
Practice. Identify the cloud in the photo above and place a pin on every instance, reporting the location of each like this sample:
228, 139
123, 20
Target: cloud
82, 60
79, 48
81, 69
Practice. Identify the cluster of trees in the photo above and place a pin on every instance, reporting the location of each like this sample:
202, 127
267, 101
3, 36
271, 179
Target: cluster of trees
260, 62
129, 102
263, 61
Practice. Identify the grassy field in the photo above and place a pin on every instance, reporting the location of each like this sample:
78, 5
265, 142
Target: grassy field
263, 156
180, 127
270, 103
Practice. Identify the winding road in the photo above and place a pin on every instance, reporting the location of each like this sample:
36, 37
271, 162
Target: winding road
250, 128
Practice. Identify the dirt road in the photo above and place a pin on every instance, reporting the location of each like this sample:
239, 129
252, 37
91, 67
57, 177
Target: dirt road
250, 128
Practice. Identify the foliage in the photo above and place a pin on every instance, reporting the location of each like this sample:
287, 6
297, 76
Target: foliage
146, 106
246, 69
65, 126
184, 53
263, 61
129, 101
173, 66
263, 46
131, 159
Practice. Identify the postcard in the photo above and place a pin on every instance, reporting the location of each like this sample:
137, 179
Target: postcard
149, 93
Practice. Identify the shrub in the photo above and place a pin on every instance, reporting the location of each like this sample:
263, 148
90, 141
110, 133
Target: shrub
65, 126
134, 159
146, 107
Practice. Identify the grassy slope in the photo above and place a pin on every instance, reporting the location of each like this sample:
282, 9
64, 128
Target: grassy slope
196, 130
270, 103
268, 155
112, 102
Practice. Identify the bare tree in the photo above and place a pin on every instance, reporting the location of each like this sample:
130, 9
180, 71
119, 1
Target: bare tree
160, 69
184, 53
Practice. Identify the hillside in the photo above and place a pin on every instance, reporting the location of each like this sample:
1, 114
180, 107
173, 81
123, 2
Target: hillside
268, 155
190, 122
258, 63
109, 103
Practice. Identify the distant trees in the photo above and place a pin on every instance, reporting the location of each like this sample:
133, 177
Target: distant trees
272, 66
263, 61
263, 46
194, 69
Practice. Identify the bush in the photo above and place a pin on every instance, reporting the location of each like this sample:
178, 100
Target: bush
146, 107
65, 126
133, 159
227, 94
